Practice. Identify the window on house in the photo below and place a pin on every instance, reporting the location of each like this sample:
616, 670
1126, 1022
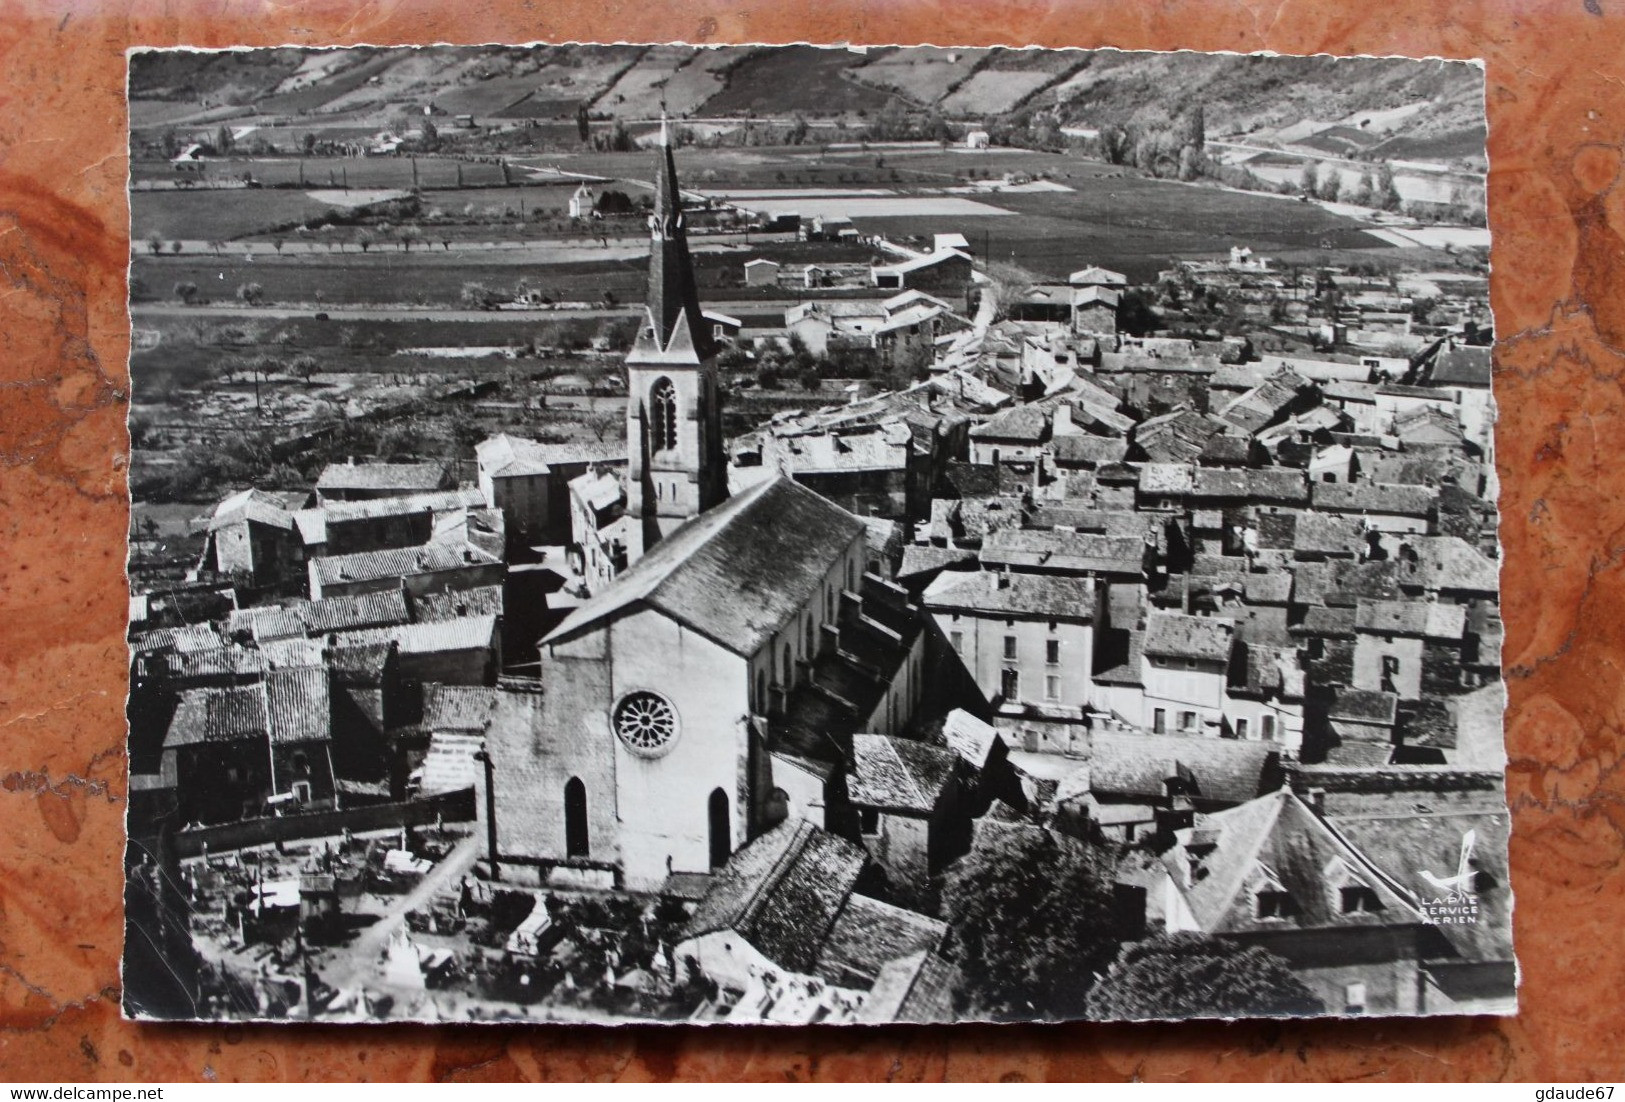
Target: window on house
957, 641
1241, 728
1357, 899
1159, 721
301, 791
1052, 652
869, 820
1010, 684
1187, 721
1010, 646
1354, 998
1052, 687
1275, 904
1266, 728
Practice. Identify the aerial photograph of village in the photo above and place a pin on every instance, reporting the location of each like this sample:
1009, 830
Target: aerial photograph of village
796, 534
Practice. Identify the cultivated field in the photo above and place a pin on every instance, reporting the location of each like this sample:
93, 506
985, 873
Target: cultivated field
691, 88
219, 215
925, 74
369, 172
992, 91
796, 78
1138, 225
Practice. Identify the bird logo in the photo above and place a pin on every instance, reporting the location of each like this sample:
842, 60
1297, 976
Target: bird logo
1455, 887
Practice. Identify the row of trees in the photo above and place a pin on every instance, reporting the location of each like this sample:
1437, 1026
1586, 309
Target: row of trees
1373, 188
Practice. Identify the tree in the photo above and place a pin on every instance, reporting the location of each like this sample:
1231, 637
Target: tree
251, 293
186, 291
583, 125
365, 239
303, 366
1032, 920
798, 130
1008, 283
1116, 145
155, 242
602, 423
277, 242
1193, 975
408, 234
1365, 190
1307, 181
1330, 185
1386, 195
176, 247
476, 295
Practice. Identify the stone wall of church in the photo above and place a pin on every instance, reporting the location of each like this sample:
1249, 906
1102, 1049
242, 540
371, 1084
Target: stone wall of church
538, 743
664, 796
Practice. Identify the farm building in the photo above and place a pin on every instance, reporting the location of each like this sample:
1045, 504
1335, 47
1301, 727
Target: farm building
762, 272
943, 272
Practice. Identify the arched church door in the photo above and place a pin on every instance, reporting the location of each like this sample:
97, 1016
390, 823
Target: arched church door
576, 842
721, 829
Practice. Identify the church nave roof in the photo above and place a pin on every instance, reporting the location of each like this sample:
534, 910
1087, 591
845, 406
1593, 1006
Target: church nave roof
737, 573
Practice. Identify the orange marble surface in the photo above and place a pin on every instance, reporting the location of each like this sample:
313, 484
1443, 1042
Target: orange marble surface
1556, 92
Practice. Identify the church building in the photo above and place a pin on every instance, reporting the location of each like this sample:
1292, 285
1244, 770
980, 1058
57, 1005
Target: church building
667, 694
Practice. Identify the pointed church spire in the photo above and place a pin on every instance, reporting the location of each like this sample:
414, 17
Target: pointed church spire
672, 291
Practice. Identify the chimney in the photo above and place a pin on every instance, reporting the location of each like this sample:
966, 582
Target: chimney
1316, 799
1003, 577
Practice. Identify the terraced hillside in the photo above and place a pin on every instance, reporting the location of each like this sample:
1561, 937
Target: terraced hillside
1383, 107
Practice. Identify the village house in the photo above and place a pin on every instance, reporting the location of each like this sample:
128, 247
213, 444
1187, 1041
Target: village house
242, 750
1015, 436
788, 903
1020, 637
1385, 508
352, 481
1185, 668
251, 535
599, 527
381, 524
909, 803
431, 568
896, 328
1272, 873
528, 482
1390, 637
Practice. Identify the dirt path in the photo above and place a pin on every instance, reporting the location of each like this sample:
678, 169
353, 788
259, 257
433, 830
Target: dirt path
358, 961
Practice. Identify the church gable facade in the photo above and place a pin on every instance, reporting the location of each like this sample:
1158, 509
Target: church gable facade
651, 689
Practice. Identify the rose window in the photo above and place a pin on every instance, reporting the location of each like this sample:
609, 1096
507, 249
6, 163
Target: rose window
646, 722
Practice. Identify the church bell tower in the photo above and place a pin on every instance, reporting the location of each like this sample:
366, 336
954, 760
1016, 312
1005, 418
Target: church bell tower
676, 465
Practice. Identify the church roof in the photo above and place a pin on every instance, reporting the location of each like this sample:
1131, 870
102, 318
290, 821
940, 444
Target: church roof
737, 573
